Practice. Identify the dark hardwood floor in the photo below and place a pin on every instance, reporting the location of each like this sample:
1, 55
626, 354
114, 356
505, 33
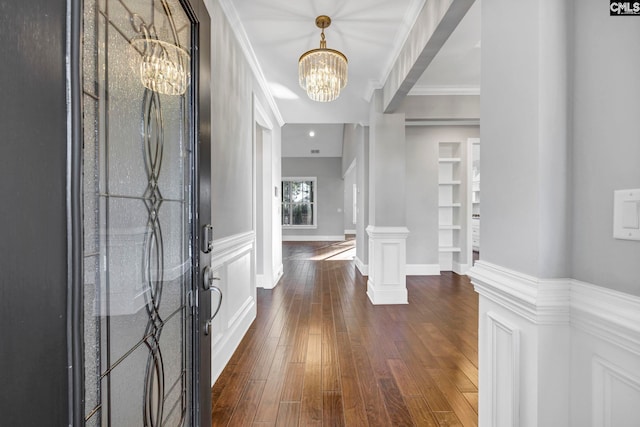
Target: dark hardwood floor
319, 353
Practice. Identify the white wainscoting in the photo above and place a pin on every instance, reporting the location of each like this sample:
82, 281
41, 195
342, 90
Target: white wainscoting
233, 261
387, 282
568, 350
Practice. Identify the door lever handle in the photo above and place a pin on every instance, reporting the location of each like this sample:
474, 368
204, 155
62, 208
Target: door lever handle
207, 326
209, 278
208, 285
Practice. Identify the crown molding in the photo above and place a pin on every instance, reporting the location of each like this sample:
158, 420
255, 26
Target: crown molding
444, 90
241, 35
408, 22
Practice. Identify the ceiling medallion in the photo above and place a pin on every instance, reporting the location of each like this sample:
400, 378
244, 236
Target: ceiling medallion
323, 72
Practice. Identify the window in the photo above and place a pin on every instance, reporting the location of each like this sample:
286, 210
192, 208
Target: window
299, 202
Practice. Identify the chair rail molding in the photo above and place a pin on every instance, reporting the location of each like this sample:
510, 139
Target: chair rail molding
582, 346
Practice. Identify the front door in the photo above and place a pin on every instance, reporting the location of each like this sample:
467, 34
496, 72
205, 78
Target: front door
142, 240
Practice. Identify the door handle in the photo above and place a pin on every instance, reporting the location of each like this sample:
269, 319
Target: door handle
209, 279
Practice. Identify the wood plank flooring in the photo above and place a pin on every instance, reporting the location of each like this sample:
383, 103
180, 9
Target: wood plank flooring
319, 353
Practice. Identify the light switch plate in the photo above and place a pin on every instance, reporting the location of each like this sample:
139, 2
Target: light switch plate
626, 214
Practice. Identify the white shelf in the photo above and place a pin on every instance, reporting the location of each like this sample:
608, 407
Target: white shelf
450, 227
450, 182
449, 159
448, 249
450, 205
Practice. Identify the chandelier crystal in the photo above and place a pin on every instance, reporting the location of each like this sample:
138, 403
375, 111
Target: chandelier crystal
163, 66
323, 72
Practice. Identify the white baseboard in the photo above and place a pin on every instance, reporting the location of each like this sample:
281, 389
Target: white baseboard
311, 238
362, 267
259, 280
278, 276
423, 269
394, 296
349, 231
461, 269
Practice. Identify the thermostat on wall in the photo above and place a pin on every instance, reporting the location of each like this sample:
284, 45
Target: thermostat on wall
626, 214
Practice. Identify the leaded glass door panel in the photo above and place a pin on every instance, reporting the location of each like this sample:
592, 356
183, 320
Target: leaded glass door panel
139, 230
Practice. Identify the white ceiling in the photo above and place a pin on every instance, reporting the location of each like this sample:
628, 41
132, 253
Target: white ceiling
296, 141
369, 32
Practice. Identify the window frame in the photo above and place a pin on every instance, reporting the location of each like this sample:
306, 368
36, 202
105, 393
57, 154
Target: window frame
314, 203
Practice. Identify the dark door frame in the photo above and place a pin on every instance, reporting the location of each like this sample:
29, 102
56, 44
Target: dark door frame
201, 193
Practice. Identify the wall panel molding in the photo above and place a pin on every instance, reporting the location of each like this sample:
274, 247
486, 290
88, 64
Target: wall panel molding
504, 372
582, 351
233, 261
616, 393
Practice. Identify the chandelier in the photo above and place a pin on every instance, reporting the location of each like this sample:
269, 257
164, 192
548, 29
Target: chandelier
323, 72
163, 66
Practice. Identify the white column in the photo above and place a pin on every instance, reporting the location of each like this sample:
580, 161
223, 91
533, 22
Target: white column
387, 282
524, 324
387, 229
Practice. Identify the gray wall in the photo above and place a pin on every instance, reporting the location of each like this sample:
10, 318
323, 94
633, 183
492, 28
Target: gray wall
606, 146
233, 87
330, 195
510, 137
362, 181
555, 149
422, 187
349, 181
353, 134
33, 248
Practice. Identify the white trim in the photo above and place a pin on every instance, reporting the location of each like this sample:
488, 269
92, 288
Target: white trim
444, 90
226, 247
461, 269
243, 40
604, 374
314, 203
441, 122
261, 116
407, 24
350, 168
541, 301
377, 296
362, 267
607, 314
277, 276
311, 238
259, 280
499, 398
423, 269
349, 231
376, 232
604, 313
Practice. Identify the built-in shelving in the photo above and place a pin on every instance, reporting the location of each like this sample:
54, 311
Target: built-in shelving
449, 202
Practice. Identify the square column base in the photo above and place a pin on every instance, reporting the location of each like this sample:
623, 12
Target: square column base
387, 265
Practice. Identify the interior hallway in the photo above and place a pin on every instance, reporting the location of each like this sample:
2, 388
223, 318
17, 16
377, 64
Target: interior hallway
319, 353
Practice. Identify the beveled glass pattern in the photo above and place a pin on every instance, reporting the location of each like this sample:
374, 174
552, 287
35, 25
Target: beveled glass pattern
138, 161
